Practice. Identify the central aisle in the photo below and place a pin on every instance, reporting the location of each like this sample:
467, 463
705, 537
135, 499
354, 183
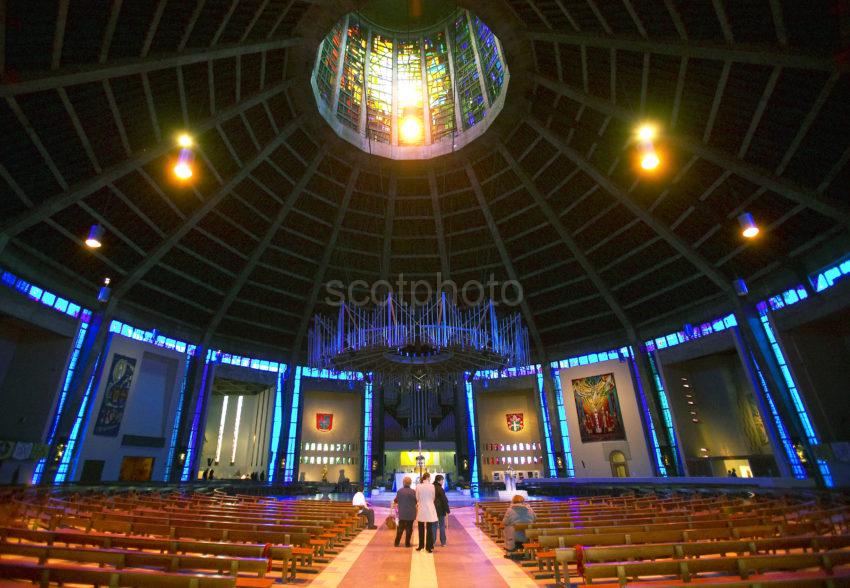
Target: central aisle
469, 559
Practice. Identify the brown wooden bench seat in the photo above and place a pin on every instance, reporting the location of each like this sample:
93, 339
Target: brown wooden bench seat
71, 574
281, 555
120, 558
743, 567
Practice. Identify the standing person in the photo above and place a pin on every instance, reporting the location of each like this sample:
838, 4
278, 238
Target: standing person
441, 503
406, 499
426, 513
359, 500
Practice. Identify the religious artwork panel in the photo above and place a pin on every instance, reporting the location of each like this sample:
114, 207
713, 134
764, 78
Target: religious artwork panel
324, 421
598, 409
115, 396
515, 421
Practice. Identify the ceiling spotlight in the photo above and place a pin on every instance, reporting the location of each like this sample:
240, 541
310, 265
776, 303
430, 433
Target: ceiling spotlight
740, 287
95, 238
647, 132
649, 159
749, 229
184, 140
104, 292
182, 170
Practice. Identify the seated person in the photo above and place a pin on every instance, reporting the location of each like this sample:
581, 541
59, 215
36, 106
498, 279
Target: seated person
359, 500
518, 513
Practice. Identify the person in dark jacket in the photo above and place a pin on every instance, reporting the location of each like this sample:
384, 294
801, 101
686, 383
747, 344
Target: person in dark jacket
406, 499
441, 503
518, 512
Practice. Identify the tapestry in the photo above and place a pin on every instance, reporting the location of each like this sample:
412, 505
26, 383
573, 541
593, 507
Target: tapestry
515, 421
324, 421
598, 409
22, 450
115, 396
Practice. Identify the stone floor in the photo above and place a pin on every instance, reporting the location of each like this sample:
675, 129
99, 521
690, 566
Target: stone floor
469, 559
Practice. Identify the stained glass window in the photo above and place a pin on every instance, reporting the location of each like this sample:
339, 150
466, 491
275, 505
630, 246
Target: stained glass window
379, 89
327, 66
472, 103
491, 62
391, 92
351, 81
441, 103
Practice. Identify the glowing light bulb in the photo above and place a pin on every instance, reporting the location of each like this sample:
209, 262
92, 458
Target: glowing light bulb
95, 237
182, 170
184, 140
646, 132
649, 160
411, 129
749, 228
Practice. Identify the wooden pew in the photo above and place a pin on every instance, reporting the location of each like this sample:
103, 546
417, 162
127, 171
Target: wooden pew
69, 574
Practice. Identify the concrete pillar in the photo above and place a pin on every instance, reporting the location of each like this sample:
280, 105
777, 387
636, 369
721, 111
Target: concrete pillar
196, 364
94, 345
754, 340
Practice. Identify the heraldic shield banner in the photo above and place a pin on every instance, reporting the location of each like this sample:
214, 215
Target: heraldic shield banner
324, 421
515, 421
115, 396
598, 409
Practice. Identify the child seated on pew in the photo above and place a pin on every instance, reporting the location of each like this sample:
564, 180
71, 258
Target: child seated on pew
518, 513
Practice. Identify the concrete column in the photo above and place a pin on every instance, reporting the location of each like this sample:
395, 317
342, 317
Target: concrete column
203, 375
770, 426
548, 396
94, 344
644, 381
186, 414
755, 341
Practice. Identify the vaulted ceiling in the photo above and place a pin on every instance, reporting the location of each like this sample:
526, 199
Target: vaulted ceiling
753, 99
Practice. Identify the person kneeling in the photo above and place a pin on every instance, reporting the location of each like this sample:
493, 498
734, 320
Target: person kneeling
359, 500
518, 513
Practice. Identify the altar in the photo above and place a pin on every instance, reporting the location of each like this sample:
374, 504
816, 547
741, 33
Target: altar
399, 479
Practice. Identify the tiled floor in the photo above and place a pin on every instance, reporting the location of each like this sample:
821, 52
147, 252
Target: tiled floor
470, 559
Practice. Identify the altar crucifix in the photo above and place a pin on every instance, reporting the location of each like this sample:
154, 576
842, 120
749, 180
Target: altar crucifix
420, 461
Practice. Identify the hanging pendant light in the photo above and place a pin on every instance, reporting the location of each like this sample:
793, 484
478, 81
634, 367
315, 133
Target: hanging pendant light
749, 228
95, 238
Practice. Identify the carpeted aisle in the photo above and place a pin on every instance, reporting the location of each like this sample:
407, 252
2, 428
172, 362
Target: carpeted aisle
469, 560
381, 564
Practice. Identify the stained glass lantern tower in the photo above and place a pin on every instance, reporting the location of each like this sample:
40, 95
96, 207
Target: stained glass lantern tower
410, 94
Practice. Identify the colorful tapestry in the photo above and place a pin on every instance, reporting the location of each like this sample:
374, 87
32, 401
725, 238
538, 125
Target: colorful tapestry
515, 421
324, 421
598, 409
115, 396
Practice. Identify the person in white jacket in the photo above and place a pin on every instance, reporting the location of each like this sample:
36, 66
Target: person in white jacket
426, 513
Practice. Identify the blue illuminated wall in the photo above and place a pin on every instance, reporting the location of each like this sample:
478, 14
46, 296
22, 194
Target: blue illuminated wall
473, 436
193, 447
71, 455
277, 426
562, 420
367, 435
292, 437
801, 413
547, 427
